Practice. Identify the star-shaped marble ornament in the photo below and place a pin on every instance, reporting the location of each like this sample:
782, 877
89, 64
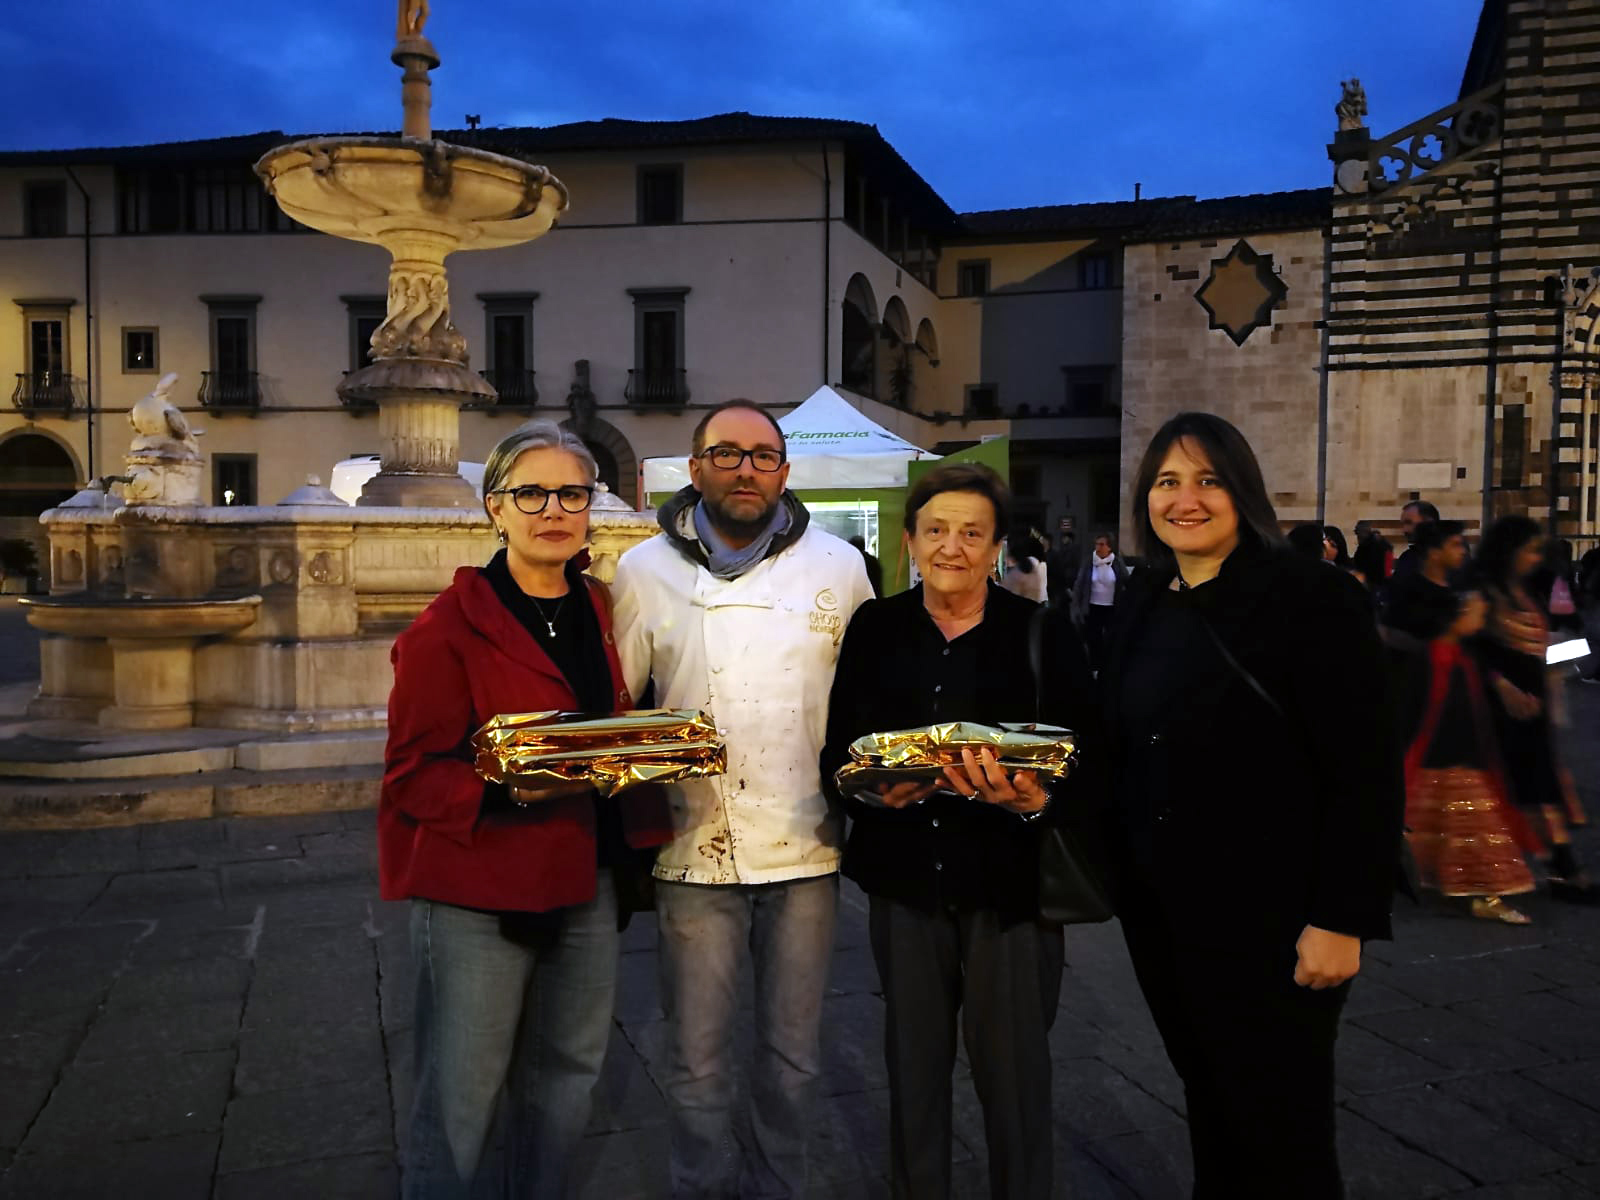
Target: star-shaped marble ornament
1241, 292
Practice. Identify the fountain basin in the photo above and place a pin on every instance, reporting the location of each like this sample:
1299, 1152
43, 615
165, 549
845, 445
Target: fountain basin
391, 191
79, 616
151, 644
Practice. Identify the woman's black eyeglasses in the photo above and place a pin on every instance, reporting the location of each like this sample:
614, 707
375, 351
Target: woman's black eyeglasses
530, 498
730, 458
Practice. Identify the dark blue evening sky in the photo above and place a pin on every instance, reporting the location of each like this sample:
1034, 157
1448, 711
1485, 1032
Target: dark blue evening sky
997, 104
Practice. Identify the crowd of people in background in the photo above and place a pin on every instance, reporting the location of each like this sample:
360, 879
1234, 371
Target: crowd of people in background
1475, 705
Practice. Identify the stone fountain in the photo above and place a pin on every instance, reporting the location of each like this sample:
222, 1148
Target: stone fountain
421, 200
165, 613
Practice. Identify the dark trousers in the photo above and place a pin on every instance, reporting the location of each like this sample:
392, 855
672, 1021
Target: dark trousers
1005, 983
1255, 1052
1096, 619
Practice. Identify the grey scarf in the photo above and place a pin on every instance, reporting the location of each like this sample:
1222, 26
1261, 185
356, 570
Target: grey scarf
722, 560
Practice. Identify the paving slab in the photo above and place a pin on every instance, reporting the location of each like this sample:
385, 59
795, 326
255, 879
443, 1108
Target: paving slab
133, 1099
323, 1121
123, 1033
167, 1168
1453, 1040
282, 1057
1482, 1148
1545, 1115
1378, 1165
353, 1177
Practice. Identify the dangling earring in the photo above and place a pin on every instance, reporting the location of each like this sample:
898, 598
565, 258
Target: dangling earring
501, 534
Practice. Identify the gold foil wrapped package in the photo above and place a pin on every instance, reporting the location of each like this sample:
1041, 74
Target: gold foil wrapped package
612, 753
921, 755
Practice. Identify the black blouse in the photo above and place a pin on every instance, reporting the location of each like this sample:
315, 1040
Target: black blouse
897, 671
569, 632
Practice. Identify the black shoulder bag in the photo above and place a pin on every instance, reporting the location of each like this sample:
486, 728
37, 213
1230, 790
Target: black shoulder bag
1071, 891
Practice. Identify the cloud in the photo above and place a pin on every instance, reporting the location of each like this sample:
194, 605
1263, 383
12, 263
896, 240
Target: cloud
1010, 102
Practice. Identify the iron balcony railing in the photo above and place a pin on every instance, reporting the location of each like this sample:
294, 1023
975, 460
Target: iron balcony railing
657, 388
46, 391
224, 390
515, 388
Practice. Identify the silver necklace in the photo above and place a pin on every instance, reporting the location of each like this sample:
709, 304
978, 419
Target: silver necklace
549, 621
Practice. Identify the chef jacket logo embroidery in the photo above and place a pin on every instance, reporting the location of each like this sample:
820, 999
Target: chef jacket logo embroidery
825, 617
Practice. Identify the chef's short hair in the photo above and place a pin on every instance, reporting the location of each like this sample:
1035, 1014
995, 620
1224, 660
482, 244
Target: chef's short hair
961, 477
533, 435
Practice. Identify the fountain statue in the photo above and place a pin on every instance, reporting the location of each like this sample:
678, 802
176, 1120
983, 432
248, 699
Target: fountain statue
166, 613
421, 200
164, 465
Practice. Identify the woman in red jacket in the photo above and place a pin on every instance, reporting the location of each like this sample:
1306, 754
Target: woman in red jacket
514, 918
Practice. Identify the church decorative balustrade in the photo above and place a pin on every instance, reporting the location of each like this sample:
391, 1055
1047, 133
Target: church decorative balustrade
1425, 145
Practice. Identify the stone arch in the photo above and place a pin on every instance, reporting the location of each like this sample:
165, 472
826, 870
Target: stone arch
858, 294
613, 454
858, 358
896, 321
897, 374
928, 341
37, 471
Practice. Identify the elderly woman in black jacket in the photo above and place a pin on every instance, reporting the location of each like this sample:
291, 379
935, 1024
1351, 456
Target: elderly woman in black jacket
1258, 806
952, 875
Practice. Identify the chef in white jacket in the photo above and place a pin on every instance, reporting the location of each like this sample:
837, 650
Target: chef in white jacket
737, 607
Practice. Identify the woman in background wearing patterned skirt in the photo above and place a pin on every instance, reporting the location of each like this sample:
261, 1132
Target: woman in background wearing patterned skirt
1467, 839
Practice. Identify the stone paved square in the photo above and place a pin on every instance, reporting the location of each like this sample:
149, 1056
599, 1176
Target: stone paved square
223, 1009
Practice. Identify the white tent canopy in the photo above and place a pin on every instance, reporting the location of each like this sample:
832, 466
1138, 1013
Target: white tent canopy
831, 444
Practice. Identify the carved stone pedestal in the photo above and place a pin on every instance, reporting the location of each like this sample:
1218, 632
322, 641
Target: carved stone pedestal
419, 423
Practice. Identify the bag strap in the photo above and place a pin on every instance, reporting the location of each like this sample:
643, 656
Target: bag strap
1036, 659
1237, 668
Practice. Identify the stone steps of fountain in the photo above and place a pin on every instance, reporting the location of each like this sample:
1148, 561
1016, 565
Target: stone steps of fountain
88, 803
79, 750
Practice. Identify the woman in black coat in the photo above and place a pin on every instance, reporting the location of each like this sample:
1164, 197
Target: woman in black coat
952, 875
1258, 806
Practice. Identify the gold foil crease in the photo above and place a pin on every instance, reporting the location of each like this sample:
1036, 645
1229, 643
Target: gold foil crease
612, 753
920, 755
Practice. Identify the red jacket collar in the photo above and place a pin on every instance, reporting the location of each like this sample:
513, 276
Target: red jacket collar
482, 611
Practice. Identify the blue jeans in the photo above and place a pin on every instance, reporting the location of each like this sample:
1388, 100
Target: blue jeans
500, 1023
788, 928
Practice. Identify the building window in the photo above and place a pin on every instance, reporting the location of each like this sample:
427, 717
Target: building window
232, 381
46, 380
983, 400
363, 315
508, 346
1094, 270
658, 376
141, 350
233, 479
972, 277
1088, 390
44, 208
47, 347
226, 199
661, 195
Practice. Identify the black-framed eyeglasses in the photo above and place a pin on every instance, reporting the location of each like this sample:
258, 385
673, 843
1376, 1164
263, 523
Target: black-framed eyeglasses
532, 499
730, 458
